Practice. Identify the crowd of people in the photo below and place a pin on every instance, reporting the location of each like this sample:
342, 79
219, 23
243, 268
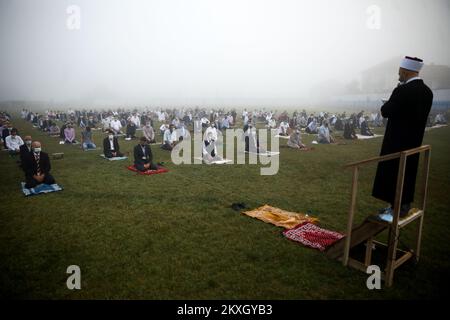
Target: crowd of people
175, 126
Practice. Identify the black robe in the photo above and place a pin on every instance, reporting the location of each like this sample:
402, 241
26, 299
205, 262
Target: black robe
407, 112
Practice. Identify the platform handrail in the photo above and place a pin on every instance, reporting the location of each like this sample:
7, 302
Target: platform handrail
387, 157
397, 202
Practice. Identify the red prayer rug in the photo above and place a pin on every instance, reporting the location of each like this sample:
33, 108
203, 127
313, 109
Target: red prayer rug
312, 236
148, 172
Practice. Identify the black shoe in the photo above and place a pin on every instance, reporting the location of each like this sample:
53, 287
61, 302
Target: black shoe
404, 210
238, 206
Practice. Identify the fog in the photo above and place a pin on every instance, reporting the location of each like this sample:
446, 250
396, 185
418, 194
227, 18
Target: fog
207, 52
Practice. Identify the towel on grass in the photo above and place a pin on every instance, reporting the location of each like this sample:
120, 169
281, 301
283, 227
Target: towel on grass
113, 158
223, 161
148, 172
312, 236
361, 137
279, 217
435, 126
39, 189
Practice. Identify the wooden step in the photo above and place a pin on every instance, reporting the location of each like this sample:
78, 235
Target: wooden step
361, 233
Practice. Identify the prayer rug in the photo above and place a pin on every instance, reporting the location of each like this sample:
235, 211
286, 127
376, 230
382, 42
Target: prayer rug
435, 127
313, 236
39, 189
282, 137
113, 158
361, 137
223, 161
279, 217
148, 172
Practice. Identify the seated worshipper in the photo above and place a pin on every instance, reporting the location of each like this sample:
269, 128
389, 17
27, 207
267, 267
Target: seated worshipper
86, 139
209, 148
6, 132
182, 132
115, 125
440, 119
143, 158
149, 133
223, 123
163, 129
61, 131
349, 130
271, 124
295, 140
53, 130
168, 142
111, 147
204, 121
37, 167
324, 134
213, 130
338, 125
251, 139
25, 150
69, 134
131, 130
283, 128
13, 142
365, 130
312, 127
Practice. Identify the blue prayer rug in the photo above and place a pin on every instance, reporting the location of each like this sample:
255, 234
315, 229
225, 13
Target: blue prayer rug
39, 189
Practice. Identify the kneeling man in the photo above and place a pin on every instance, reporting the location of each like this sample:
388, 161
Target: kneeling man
37, 167
143, 157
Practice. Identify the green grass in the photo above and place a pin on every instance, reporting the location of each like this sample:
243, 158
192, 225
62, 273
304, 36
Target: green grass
173, 235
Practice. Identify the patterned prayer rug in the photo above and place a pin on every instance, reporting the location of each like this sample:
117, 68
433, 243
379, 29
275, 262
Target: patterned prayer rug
313, 236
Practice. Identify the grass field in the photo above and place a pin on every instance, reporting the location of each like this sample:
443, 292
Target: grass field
174, 235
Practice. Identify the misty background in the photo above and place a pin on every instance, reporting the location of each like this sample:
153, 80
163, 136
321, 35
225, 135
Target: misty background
218, 52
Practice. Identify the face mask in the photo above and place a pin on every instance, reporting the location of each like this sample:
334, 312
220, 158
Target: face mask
28, 142
111, 137
37, 150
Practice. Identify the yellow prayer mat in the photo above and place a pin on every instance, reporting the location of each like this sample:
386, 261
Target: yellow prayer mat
279, 217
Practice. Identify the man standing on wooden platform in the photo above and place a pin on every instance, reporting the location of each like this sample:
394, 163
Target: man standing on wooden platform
407, 111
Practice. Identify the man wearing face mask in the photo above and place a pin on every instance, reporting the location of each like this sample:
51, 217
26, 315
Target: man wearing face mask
149, 133
143, 157
111, 147
13, 142
25, 149
37, 167
211, 131
6, 132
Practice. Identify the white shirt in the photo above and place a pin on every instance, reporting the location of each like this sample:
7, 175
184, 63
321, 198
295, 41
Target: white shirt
116, 125
136, 120
111, 143
13, 144
213, 132
167, 136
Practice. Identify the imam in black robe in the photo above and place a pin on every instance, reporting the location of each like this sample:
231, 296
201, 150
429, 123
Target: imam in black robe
407, 112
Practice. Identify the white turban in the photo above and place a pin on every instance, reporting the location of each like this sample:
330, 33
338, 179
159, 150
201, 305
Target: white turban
412, 64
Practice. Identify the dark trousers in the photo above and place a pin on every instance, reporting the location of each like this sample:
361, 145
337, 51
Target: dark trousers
109, 154
140, 166
30, 182
166, 146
